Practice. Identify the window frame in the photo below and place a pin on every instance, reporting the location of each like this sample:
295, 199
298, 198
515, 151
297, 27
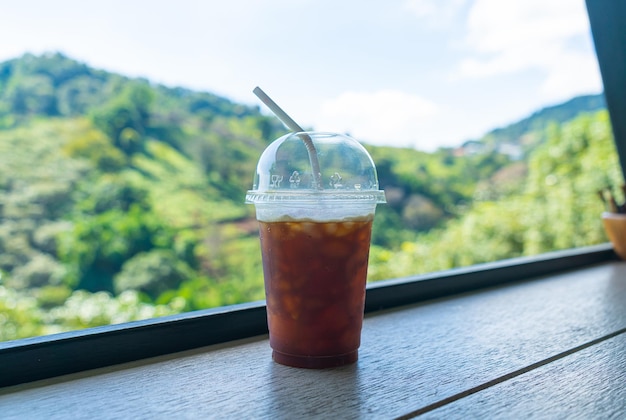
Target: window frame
53, 355
606, 19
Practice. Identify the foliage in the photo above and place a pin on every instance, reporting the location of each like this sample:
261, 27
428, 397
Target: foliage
153, 273
83, 309
122, 200
531, 131
124, 118
23, 315
424, 190
96, 147
20, 315
557, 209
98, 246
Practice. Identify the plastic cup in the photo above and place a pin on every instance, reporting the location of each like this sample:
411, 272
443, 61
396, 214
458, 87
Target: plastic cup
315, 245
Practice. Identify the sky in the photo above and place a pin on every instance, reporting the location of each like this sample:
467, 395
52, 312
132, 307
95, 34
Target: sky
410, 73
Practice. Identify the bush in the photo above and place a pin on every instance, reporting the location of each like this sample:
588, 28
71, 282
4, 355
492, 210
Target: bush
41, 270
45, 236
83, 310
152, 273
20, 316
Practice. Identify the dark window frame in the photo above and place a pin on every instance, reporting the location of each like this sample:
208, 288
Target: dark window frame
59, 354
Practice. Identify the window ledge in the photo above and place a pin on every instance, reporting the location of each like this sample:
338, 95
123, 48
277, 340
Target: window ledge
553, 346
59, 354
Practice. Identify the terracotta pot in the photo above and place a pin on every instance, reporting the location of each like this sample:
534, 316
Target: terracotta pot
615, 227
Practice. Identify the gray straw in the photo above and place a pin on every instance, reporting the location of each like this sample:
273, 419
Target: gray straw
295, 127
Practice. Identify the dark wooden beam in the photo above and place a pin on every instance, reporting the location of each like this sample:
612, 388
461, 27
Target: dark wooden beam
607, 19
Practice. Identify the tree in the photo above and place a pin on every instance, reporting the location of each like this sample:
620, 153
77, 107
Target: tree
152, 273
124, 118
99, 245
29, 95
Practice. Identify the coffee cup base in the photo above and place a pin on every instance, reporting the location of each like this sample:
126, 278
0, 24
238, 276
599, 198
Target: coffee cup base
311, 362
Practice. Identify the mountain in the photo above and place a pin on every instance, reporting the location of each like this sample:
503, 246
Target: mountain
519, 138
55, 85
109, 183
111, 186
130, 111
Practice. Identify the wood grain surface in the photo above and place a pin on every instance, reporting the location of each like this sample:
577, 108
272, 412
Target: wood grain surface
589, 384
411, 357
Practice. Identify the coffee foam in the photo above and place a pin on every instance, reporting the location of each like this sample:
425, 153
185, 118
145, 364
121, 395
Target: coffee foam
319, 212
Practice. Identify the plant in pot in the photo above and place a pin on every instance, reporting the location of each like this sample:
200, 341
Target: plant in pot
614, 220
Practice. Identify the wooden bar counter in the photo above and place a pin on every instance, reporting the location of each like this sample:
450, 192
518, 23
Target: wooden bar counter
549, 347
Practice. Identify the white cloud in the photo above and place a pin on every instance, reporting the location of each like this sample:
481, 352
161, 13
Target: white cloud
496, 25
505, 37
435, 13
387, 117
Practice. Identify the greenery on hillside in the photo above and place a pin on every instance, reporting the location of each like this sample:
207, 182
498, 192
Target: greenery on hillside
122, 200
532, 131
554, 207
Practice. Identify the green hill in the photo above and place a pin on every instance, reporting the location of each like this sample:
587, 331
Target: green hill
110, 184
521, 137
123, 199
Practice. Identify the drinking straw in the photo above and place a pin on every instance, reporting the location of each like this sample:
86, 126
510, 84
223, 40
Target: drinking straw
294, 126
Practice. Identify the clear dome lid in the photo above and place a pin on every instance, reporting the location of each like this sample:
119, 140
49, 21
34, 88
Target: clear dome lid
285, 171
